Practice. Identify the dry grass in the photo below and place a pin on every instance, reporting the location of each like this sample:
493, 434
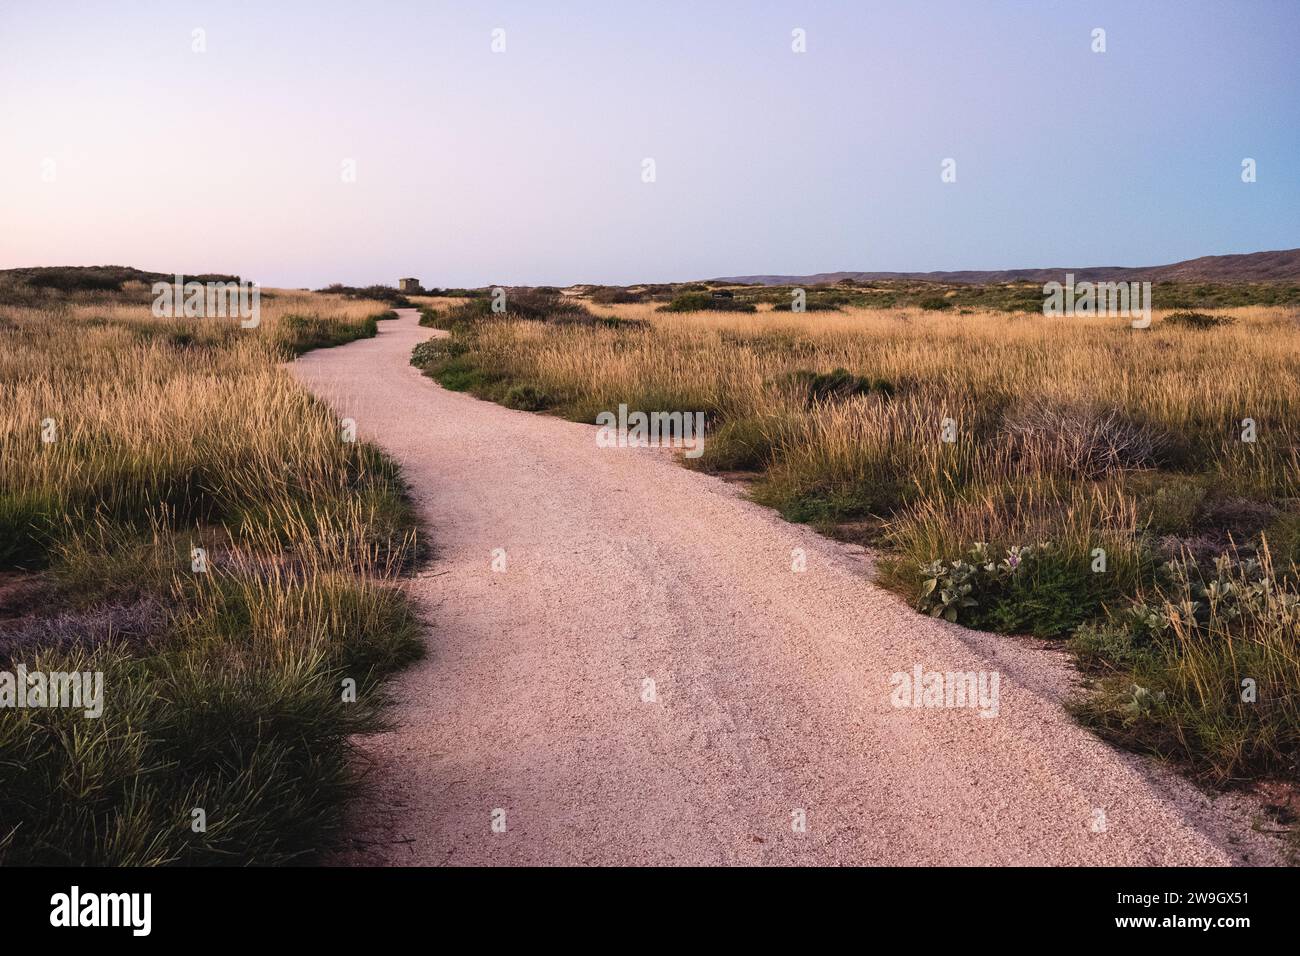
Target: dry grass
171, 434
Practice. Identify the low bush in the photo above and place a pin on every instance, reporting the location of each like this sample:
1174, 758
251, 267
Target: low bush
615, 296
303, 333
446, 362
825, 503
380, 293
706, 302
1034, 589
812, 305
1197, 320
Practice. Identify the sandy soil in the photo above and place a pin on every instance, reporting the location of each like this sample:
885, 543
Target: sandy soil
771, 687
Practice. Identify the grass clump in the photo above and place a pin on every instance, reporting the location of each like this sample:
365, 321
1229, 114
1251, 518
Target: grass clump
836, 385
303, 333
525, 398
741, 444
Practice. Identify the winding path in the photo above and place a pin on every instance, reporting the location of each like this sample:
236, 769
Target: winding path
771, 688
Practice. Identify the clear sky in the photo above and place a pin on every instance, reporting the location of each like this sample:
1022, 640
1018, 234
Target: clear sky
525, 166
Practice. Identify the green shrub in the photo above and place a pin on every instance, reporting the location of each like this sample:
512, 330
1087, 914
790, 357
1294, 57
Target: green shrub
302, 333
1197, 320
1109, 644
462, 375
706, 302
1036, 590
446, 361
615, 296
381, 293
433, 350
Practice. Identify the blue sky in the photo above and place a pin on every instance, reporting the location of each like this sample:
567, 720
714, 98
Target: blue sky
474, 167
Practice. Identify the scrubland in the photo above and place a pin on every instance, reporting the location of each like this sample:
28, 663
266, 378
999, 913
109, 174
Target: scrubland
127, 443
1133, 492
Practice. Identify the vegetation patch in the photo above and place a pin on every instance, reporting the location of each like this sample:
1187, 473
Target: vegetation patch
703, 301
1034, 589
836, 385
370, 293
525, 398
223, 678
615, 296
1197, 320
303, 333
1202, 670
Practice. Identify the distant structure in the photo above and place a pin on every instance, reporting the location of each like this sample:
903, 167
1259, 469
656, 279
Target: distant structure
408, 285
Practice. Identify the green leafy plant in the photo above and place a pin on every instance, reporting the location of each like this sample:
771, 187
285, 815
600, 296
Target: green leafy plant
1035, 589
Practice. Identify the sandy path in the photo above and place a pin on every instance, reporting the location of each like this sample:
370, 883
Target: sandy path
772, 686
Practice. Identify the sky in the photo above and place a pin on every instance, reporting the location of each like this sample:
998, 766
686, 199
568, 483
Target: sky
120, 143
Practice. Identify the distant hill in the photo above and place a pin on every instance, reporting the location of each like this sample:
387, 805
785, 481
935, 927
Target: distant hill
1283, 266
93, 278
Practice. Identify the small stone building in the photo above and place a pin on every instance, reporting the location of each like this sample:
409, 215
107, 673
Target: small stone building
408, 285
